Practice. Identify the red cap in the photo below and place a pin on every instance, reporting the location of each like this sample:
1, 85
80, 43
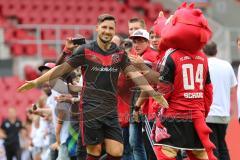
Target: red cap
46, 66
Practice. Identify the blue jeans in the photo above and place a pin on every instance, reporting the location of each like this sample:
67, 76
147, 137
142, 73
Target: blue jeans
136, 141
127, 152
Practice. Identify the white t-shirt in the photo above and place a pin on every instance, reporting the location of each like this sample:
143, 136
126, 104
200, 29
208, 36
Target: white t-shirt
52, 103
223, 79
38, 135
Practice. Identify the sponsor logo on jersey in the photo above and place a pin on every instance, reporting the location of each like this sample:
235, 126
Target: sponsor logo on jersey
104, 69
116, 58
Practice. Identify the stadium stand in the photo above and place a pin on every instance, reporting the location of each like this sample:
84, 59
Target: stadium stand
10, 98
62, 13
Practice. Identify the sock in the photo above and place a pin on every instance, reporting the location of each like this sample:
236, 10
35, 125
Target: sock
91, 157
109, 157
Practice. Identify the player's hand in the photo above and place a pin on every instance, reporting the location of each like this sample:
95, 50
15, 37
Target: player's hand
27, 86
55, 146
161, 100
69, 44
64, 98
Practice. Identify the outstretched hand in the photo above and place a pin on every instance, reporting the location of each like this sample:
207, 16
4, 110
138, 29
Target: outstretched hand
161, 100
27, 86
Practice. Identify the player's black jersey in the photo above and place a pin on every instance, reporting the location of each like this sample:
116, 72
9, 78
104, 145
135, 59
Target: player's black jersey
100, 71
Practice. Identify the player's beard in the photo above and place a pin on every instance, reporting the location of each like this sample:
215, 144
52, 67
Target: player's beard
104, 41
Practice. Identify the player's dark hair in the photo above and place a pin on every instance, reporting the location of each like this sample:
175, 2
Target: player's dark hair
210, 49
105, 17
140, 20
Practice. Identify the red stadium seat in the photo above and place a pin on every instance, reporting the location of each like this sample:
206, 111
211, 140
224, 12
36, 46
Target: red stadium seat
11, 83
3, 111
86, 33
78, 20
82, 12
67, 33
137, 4
7, 100
2, 87
30, 72
10, 98
17, 49
32, 96
2, 20
67, 19
20, 100
9, 34
48, 53
9, 9
48, 34
30, 50
153, 10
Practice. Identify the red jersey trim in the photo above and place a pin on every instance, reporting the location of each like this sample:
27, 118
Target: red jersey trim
107, 60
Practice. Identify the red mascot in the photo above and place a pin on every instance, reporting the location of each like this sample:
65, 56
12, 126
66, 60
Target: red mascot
182, 125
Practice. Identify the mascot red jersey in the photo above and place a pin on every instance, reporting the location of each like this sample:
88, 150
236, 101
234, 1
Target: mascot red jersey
182, 125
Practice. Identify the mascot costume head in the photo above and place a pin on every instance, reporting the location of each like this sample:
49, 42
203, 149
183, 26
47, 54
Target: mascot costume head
187, 29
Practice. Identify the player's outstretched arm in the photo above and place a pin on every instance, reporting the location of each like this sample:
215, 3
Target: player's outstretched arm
151, 75
54, 73
143, 96
143, 84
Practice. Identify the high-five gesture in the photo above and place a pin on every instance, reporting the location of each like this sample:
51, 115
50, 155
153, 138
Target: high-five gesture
27, 86
52, 74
